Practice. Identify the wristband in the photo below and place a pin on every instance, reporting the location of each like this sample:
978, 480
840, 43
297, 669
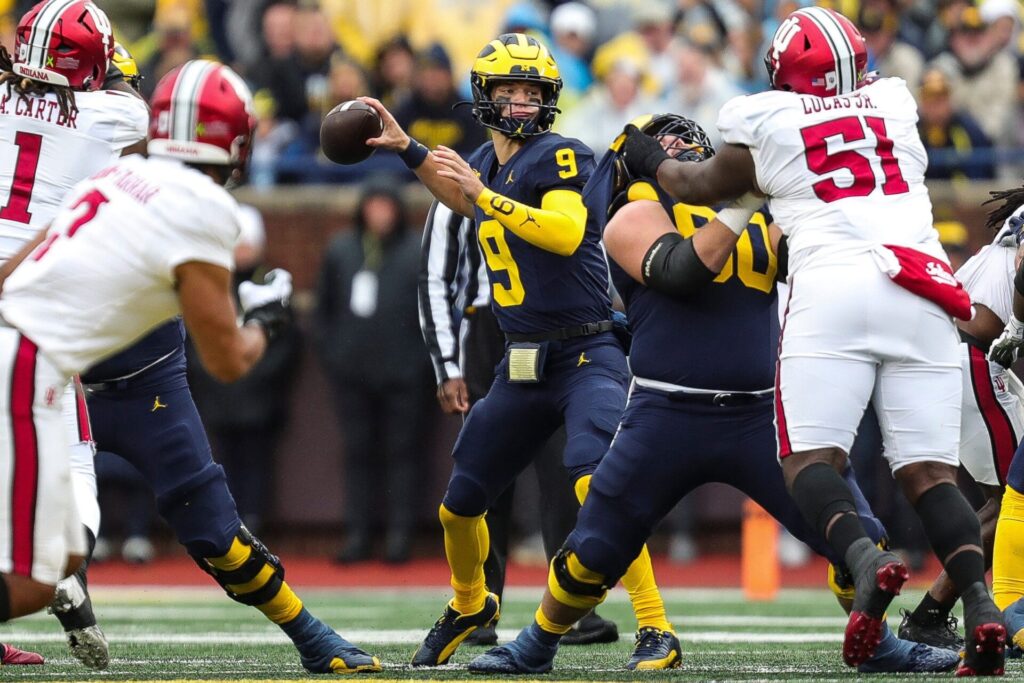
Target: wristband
414, 155
1015, 326
737, 215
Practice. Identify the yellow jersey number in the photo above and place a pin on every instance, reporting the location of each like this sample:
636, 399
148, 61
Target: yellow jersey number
741, 262
499, 258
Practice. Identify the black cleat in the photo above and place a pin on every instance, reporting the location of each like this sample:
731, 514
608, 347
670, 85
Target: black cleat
451, 629
877, 584
592, 629
944, 634
485, 635
985, 649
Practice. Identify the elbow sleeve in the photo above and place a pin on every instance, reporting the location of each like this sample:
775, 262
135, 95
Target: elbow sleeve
671, 266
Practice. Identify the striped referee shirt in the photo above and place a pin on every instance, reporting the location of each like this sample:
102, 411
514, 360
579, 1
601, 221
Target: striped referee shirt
452, 278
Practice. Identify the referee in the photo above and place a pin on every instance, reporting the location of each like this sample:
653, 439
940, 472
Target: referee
465, 345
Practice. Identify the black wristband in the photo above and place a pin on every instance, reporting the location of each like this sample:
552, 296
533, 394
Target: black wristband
671, 266
782, 260
414, 155
1018, 280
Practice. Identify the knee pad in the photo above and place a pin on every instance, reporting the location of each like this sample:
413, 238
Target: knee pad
573, 584
202, 513
465, 497
248, 572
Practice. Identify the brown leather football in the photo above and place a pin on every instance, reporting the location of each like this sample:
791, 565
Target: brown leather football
345, 130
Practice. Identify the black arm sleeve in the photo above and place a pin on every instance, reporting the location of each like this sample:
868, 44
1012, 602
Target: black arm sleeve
671, 266
782, 260
1018, 280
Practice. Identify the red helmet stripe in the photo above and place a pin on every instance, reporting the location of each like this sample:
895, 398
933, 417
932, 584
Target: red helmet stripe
48, 16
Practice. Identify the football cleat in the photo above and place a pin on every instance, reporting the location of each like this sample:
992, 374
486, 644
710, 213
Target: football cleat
485, 636
524, 655
12, 656
877, 585
73, 608
338, 657
943, 634
654, 650
985, 649
591, 629
1014, 617
451, 629
895, 655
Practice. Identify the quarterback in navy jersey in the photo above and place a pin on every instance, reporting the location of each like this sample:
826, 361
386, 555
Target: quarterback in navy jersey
700, 409
549, 282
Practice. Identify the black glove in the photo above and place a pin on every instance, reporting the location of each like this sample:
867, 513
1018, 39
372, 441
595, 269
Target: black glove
642, 154
267, 304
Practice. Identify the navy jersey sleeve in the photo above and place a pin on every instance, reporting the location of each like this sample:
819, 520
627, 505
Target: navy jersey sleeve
561, 163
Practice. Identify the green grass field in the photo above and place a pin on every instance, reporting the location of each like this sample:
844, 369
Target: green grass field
195, 634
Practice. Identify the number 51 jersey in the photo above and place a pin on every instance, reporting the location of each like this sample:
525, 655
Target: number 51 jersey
43, 153
841, 173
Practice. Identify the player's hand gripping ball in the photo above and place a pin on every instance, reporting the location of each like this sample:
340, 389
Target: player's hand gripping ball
345, 130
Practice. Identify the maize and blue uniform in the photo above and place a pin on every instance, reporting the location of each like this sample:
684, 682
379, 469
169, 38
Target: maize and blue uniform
700, 406
538, 296
142, 410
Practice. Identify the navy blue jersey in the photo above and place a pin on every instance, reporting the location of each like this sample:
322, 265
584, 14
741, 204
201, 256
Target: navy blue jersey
154, 346
723, 337
536, 290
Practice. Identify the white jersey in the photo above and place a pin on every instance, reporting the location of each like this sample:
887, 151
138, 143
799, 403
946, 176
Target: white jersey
104, 276
988, 278
43, 153
841, 173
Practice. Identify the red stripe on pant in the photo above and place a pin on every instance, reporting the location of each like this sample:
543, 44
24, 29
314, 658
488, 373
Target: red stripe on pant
785, 448
1000, 429
26, 458
84, 427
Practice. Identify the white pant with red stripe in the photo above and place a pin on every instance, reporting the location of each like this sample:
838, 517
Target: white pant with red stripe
83, 454
39, 522
850, 336
992, 422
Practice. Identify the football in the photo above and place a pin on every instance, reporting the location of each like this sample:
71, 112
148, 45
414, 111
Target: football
345, 130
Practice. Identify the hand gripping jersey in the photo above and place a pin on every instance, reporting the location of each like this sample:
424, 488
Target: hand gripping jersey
842, 173
104, 276
43, 153
534, 290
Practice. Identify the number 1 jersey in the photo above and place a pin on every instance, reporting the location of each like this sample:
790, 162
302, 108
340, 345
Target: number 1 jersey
44, 153
105, 274
841, 173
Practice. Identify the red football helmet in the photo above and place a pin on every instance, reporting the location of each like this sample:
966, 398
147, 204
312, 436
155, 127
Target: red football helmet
202, 113
64, 42
816, 51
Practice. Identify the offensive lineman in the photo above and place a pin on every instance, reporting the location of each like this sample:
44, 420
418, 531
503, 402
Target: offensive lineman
563, 364
869, 314
164, 229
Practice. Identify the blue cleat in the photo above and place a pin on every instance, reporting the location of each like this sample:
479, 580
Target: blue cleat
451, 629
329, 653
655, 650
1014, 616
527, 654
895, 655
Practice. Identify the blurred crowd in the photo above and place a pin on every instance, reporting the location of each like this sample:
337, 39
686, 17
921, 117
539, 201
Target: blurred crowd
618, 59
